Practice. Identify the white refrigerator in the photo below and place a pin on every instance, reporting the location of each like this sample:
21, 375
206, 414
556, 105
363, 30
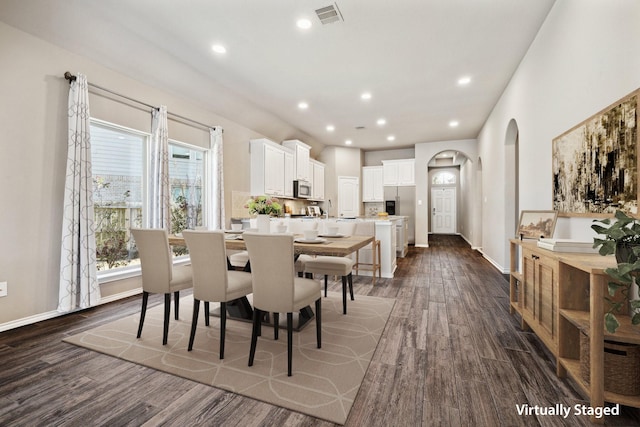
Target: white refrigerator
405, 205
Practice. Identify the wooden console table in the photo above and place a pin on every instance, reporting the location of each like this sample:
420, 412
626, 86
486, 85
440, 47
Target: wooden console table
560, 294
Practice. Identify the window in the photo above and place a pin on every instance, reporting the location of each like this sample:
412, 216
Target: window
186, 178
443, 178
119, 158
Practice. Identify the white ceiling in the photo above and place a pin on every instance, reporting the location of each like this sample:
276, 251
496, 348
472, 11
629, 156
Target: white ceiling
408, 54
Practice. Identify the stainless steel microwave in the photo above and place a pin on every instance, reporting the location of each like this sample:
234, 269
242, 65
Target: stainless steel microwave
301, 189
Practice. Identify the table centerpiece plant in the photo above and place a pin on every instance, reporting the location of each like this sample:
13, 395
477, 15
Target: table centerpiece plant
263, 205
622, 238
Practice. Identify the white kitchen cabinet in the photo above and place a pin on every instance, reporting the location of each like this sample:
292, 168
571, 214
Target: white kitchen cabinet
372, 184
289, 168
301, 156
269, 169
317, 181
399, 172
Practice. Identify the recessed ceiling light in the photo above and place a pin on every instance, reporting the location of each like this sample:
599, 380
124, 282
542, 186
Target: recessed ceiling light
331, 128
453, 123
303, 105
348, 142
218, 48
303, 23
462, 81
366, 96
391, 138
381, 122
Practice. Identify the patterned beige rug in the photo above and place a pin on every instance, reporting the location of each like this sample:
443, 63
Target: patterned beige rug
325, 381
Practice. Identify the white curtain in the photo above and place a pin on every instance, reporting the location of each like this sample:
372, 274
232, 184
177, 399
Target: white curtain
78, 274
215, 180
158, 209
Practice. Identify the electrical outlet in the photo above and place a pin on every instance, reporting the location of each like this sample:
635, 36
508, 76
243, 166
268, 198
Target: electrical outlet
3, 289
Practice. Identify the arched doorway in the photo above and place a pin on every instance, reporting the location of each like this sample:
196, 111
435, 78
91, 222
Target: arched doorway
511, 180
452, 194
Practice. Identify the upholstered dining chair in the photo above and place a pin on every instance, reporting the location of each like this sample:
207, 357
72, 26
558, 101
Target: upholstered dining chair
158, 274
335, 266
298, 227
277, 289
212, 282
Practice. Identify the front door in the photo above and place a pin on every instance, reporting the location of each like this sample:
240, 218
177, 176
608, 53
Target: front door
348, 196
443, 207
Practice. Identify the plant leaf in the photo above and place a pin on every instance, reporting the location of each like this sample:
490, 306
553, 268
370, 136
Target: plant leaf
611, 323
635, 319
618, 275
613, 287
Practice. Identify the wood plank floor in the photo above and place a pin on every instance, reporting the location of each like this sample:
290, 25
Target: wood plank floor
451, 355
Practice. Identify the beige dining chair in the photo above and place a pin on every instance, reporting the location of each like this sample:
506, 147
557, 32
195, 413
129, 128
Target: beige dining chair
276, 289
212, 281
158, 274
298, 226
336, 266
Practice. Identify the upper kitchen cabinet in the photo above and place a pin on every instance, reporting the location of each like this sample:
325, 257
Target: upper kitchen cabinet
399, 172
372, 184
271, 169
317, 179
301, 156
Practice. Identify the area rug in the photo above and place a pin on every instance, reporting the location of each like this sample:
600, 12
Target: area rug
325, 381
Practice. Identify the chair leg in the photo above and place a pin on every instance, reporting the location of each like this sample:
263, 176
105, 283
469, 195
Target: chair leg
350, 280
207, 313
289, 342
344, 294
223, 326
167, 310
325, 285
176, 302
319, 322
143, 312
194, 323
254, 335
276, 326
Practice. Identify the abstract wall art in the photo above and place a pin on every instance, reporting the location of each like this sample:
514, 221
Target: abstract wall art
595, 164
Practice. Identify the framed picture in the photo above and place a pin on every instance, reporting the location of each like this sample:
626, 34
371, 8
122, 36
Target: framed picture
595, 164
537, 224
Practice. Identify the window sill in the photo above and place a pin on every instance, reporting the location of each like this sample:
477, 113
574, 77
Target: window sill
132, 271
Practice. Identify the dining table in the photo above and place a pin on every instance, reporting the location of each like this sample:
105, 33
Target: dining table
326, 245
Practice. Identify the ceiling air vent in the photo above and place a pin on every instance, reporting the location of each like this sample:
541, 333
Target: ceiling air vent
329, 14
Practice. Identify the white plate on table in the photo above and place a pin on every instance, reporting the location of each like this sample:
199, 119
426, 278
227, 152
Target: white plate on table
234, 231
332, 235
303, 240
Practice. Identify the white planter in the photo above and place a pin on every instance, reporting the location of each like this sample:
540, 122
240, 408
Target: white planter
264, 223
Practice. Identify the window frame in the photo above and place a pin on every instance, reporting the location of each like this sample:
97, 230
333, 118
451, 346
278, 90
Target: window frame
130, 271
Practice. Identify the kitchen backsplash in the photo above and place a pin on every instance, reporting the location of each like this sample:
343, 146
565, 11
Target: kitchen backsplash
239, 199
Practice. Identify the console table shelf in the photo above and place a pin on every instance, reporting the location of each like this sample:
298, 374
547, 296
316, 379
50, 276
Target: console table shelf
560, 294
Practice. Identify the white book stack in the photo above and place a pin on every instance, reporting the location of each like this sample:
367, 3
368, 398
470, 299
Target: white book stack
567, 245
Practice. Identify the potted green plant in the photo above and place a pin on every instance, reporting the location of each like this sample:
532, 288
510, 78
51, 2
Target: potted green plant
264, 207
622, 238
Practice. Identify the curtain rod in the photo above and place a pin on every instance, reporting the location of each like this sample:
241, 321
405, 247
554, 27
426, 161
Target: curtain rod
70, 77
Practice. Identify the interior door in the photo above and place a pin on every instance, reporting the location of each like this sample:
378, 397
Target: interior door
348, 196
443, 206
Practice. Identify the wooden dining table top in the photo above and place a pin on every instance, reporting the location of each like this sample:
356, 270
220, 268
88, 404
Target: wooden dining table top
334, 246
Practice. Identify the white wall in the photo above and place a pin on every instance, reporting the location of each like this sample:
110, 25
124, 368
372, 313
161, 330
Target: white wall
585, 57
33, 150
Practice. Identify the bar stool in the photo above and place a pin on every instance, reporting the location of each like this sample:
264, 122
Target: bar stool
375, 265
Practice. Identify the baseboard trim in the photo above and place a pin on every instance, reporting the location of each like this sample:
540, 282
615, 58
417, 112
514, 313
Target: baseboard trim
29, 320
498, 267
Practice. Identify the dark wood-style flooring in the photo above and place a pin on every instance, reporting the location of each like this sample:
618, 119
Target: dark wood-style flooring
450, 355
